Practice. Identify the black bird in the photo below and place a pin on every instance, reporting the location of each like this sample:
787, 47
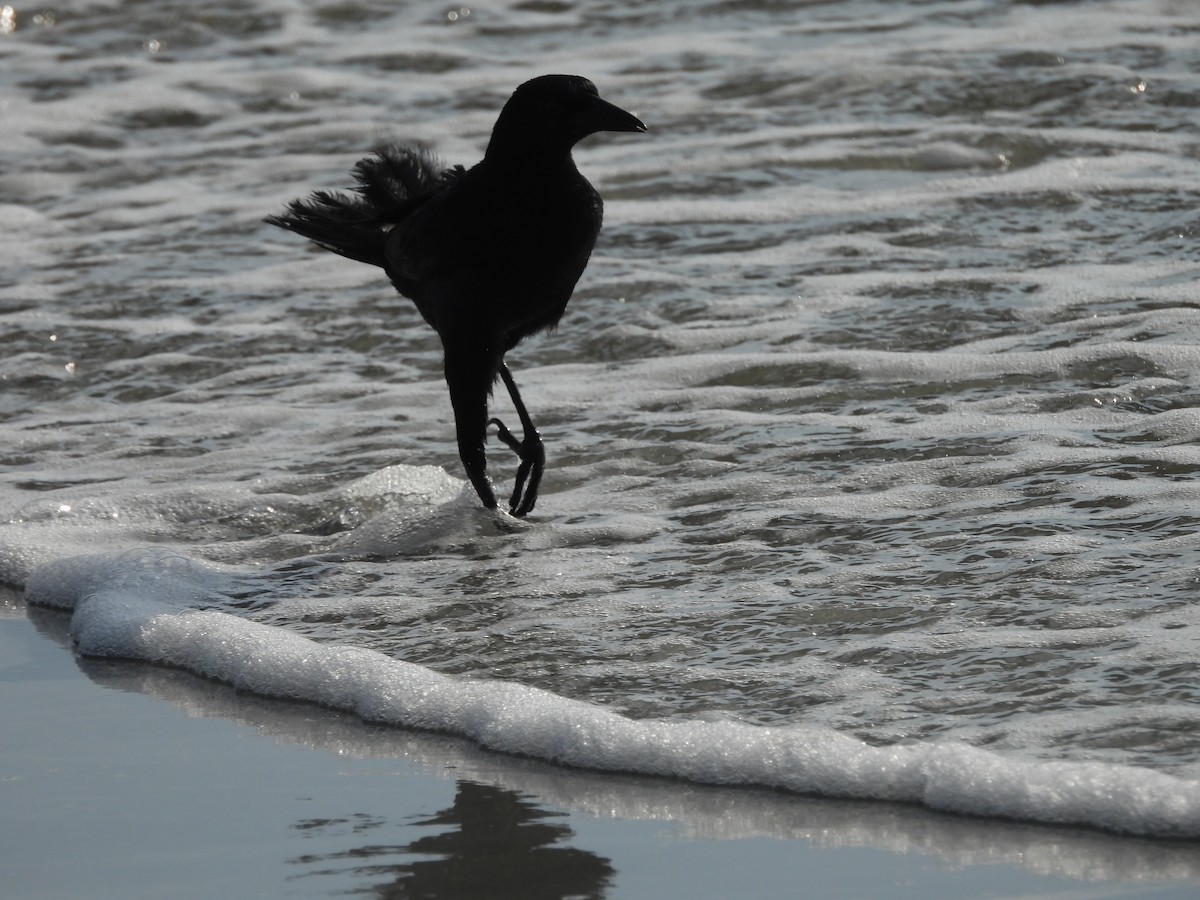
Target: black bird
490, 255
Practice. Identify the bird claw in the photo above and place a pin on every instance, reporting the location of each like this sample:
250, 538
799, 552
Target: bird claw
529, 473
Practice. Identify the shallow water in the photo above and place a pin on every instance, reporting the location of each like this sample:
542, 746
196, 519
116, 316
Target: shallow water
109, 780
876, 410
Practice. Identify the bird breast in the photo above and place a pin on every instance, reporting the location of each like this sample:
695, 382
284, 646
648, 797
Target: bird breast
505, 251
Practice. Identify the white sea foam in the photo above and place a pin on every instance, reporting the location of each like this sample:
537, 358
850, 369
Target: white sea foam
141, 605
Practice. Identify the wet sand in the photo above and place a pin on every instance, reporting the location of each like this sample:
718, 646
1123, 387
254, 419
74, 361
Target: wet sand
126, 780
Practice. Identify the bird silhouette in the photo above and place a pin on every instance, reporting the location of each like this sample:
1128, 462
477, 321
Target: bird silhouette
489, 255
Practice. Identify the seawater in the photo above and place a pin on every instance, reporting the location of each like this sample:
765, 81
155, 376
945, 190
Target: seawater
871, 427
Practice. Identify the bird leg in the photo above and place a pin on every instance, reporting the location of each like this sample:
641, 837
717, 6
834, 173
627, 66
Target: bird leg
530, 451
469, 376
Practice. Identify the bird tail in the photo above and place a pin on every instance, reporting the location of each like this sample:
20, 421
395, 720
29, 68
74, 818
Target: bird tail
392, 182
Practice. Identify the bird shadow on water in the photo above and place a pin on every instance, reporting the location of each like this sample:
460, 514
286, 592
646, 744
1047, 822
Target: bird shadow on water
490, 842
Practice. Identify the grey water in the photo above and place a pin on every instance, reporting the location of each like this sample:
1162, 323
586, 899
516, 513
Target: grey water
876, 409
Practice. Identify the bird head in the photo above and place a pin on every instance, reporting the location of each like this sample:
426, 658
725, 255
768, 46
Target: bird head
553, 112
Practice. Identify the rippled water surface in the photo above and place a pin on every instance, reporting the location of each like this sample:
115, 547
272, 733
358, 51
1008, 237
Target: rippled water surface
877, 407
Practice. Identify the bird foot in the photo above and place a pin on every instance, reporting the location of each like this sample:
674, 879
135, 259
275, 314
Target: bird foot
529, 473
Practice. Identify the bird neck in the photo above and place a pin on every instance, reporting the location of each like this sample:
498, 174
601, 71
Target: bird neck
530, 171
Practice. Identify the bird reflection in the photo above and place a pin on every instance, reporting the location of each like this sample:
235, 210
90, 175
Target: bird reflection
493, 843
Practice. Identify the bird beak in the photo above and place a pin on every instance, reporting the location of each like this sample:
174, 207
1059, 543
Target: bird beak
603, 116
